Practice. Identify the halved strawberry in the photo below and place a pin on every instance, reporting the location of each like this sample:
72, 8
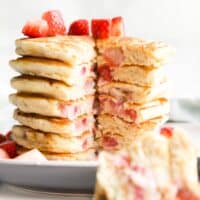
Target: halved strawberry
166, 131
117, 26
3, 154
79, 27
10, 147
55, 22
101, 28
35, 28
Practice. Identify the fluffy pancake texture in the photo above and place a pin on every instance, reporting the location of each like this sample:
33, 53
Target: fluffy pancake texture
48, 142
120, 51
73, 50
151, 168
132, 74
133, 93
71, 75
45, 106
131, 112
60, 126
112, 124
52, 88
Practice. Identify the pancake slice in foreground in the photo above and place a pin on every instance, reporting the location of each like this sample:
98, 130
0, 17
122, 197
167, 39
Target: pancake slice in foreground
130, 112
49, 142
71, 75
133, 93
45, 106
52, 88
120, 51
89, 154
111, 124
73, 50
61, 126
146, 170
133, 74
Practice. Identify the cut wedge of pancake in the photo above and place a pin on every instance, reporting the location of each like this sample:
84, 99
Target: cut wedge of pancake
48, 142
133, 74
45, 106
133, 93
52, 88
71, 75
60, 126
130, 112
88, 154
111, 124
73, 50
120, 51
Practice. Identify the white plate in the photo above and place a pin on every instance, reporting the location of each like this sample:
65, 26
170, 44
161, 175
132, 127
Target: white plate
64, 175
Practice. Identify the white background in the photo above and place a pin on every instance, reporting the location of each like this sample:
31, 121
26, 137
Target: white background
176, 22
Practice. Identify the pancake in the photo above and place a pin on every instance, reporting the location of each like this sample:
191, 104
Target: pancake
71, 75
52, 88
133, 74
51, 107
133, 93
88, 154
130, 112
120, 51
48, 142
73, 50
147, 169
60, 126
111, 124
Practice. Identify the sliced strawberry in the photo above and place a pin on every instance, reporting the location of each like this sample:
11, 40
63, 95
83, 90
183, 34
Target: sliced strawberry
55, 22
79, 27
101, 28
166, 131
131, 113
35, 28
117, 26
2, 138
105, 72
10, 147
3, 154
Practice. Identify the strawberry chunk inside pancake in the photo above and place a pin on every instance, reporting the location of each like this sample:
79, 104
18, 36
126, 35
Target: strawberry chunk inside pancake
109, 142
114, 56
166, 131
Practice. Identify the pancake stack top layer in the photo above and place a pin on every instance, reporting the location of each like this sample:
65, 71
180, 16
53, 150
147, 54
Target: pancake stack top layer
165, 170
55, 96
132, 89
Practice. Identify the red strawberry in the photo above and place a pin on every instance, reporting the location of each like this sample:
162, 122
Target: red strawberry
79, 27
35, 28
105, 72
3, 154
101, 28
55, 22
2, 138
166, 131
117, 26
10, 147
8, 135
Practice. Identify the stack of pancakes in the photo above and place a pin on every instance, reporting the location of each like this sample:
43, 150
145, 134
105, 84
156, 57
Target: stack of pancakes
132, 89
55, 96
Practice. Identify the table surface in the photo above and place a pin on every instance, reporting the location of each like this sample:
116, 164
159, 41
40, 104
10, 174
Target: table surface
9, 192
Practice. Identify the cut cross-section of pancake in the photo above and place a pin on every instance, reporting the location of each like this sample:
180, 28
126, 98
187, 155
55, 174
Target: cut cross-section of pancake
133, 93
131, 74
120, 51
30, 103
52, 88
88, 154
60, 126
70, 49
133, 112
48, 142
111, 124
71, 75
